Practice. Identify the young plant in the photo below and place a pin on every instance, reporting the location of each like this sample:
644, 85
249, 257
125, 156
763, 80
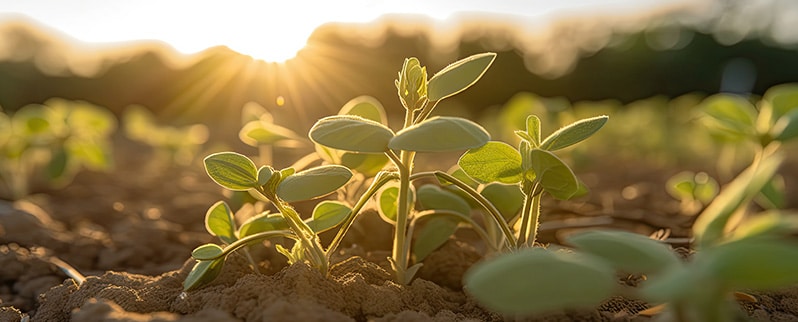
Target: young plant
533, 167
237, 172
735, 251
260, 131
61, 137
419, 133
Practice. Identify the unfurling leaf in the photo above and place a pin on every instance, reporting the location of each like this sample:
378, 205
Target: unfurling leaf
351, 133
440, 134
313, 183
458, 76
232, 170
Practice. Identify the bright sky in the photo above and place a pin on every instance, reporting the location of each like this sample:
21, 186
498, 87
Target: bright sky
267, 29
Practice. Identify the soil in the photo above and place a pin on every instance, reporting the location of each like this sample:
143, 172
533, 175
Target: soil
131, 233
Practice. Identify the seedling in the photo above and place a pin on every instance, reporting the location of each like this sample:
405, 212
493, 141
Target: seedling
533, 167
734, 252
419, 133
237, 172
60, 136
693, 190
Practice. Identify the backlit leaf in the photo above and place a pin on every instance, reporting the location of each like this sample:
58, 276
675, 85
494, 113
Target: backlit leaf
786, 127
573, 133
207, 252
366, 163
262, 223
433, 197
533, 129
203, 273
219, 222
313, 183
536, 280
554, 176
351, 133
782, 99
257, 133
493, 162
440, 134
327, 215
508, 199
232, 170
366, 107
458, 76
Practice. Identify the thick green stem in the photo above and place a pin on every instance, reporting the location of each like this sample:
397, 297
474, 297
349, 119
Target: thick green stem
400, 252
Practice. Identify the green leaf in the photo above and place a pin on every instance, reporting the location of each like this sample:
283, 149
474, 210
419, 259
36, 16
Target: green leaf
535, 280
90, 152
327, 215
786, 127
758, 264
387, 203
767, 225
219, 222
710, 225
432, 197
458, 76
366, 163
366, 107
435, 231
313, 183
554, 176
440, 134
533, 129
264, 174
573, 133
629, 252
773, 194
232, 170
262, 223
351, 133
203, 273
493, 162
731, 115
782, 99
257, 133
508, 199
207, 252
57, 167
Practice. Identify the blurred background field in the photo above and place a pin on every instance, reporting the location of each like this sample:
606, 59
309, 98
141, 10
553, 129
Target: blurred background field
647, 64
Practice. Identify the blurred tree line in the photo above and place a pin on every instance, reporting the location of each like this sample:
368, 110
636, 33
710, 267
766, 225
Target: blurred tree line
334, 68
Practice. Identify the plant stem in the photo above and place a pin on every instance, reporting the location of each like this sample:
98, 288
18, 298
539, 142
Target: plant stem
480, 199
381, 179
530, 219
400, 252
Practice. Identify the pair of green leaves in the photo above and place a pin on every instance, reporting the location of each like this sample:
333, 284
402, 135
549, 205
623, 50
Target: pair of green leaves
533, 160
437, 134
237, 172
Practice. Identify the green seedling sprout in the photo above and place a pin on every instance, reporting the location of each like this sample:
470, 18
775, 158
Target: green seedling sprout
419, 133
735, 251
533, 167
260, 131
693, 190
59, 137
237, 172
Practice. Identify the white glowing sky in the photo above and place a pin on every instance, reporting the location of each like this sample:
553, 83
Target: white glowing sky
269, 30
